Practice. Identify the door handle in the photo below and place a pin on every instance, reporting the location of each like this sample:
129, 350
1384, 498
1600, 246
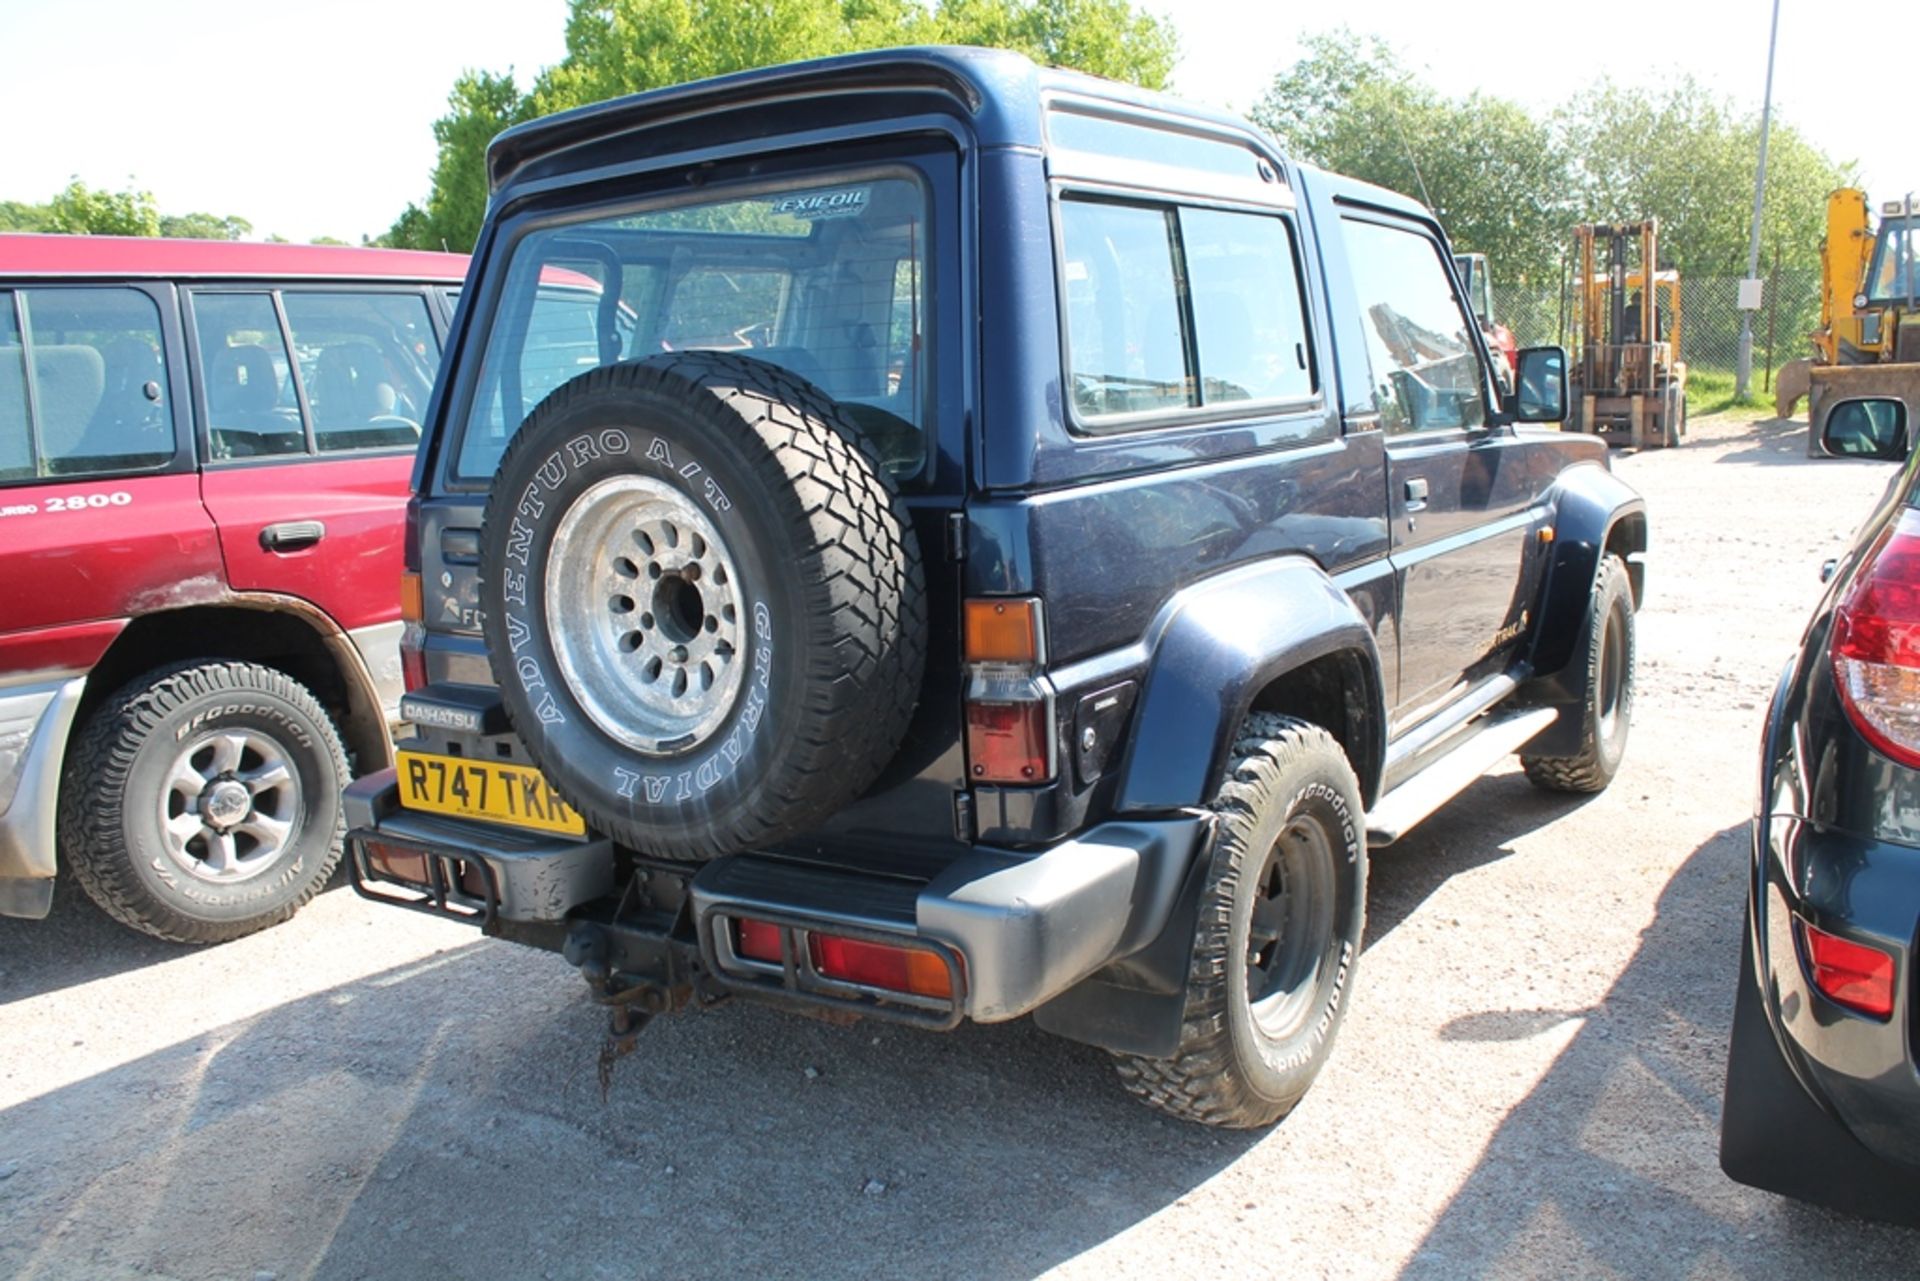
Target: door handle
1417, 494
292, 535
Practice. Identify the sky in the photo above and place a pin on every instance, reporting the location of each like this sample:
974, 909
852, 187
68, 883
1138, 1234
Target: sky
316, 119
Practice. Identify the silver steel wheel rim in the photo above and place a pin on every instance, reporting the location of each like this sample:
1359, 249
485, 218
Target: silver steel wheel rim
229, 805
643, 607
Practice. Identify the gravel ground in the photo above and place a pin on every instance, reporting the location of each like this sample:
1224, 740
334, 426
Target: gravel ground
1529, 1083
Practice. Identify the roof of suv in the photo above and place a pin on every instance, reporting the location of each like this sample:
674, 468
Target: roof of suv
51, 255
1002, 91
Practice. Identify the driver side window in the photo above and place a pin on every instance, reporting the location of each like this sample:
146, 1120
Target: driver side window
1426, 369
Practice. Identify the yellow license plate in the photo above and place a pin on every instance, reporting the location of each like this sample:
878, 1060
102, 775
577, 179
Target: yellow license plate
494, 791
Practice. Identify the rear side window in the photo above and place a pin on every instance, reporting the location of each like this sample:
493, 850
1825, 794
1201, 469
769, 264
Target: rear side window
1123, 309
825, 278
346, 371
253, 409
368, 362
83, 384
1176, 308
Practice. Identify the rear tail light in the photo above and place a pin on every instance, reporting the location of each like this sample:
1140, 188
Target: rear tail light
888, 966
395, 863
413, 607
1848, 973
757, 941
881, 965
1010, 710
1876, 644
1007, 742
413, 658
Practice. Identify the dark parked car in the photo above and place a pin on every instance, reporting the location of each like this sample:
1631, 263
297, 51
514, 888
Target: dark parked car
999, 542
204, 454
1823, 1088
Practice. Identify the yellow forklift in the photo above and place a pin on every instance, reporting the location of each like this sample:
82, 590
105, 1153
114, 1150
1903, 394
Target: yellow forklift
1868, 343
1627, 382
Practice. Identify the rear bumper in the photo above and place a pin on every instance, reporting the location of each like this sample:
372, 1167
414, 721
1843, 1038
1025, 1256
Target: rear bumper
1022, 926
35, 720
1859, 1069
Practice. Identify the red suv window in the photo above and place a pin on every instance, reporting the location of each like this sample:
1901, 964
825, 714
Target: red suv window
83, 385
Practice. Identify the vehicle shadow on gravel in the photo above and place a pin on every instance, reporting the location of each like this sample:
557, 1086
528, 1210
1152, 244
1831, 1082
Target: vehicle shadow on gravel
78, 943
1616, 1149
1771, 442
1475, 828
401, 1126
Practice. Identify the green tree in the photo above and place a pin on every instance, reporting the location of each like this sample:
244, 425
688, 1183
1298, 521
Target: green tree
1494, 174
80, 210
204, 226
1685, 155
1511, 185
480, 106
617, 47
17, 215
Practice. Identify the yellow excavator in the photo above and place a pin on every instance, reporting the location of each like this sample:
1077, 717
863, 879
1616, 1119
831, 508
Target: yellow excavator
1868, 343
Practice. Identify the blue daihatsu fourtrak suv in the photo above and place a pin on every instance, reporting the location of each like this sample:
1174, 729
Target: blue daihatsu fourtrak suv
929, 537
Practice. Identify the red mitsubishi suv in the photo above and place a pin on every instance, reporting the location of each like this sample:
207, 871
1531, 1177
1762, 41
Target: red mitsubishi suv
205, 451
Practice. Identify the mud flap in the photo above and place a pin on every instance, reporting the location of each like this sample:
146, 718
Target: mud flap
1774, 1136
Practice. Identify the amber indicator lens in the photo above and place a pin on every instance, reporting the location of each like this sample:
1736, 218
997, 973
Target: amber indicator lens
412, 601
1003, 630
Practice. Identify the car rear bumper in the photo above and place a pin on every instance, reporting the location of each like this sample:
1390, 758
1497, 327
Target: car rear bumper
1020, 927
1861, 1069
35, 720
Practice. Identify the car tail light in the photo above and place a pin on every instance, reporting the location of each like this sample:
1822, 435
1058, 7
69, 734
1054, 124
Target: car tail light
757, 941
413, 606
889, 966
395, 863
1007, 742
1010, 711
1848, 973
1876, 644
881, 965
413, 657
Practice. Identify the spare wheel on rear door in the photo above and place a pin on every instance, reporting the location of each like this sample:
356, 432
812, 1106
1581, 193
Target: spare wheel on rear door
703, 602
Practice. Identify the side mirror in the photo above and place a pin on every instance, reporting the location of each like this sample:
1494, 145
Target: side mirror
1870, 427
1540, 385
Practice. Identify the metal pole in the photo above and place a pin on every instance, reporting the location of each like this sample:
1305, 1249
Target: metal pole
1773, 316
1743, 377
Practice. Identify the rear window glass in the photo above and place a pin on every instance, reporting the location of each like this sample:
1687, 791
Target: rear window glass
83, 384
826, 280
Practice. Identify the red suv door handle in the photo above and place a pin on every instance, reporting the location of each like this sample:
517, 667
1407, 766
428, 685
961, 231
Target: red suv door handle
292, 535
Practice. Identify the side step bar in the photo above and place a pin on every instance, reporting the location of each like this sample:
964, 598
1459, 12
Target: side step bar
1453, 773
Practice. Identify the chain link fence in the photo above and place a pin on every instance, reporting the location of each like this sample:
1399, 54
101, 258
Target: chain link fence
1710, 322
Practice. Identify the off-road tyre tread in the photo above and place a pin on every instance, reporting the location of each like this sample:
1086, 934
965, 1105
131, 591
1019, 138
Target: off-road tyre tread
863, 562
93, 794
1199, 1081
1584, 773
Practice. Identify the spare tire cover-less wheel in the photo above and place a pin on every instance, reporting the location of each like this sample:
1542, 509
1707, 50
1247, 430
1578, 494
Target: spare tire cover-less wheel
702, 603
